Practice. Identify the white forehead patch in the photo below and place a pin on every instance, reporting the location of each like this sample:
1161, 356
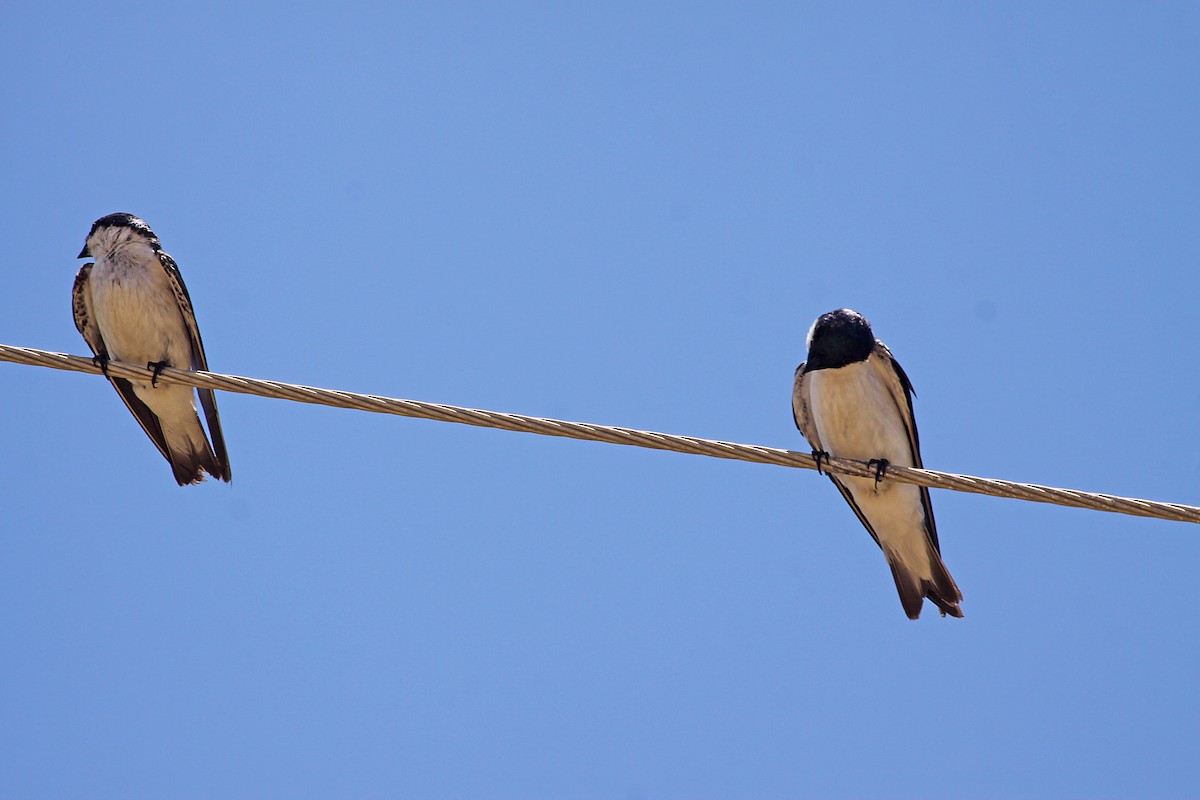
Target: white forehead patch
811, 331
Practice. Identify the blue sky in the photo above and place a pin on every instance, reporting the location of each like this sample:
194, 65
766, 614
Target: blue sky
625, 214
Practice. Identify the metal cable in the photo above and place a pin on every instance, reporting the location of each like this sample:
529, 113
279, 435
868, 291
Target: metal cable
607, 433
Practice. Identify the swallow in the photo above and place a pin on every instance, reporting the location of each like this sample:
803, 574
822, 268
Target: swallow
851, 399
131, 305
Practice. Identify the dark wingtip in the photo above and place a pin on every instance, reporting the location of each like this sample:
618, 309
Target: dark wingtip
948, 607
912, 608
942, 589
217, 466
221, 472
217, 463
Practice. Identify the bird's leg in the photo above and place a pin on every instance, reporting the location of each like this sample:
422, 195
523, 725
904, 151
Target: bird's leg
819, 456
101, 361
157, 367
880, 465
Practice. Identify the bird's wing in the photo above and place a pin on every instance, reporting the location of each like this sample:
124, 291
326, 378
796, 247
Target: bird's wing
802, 409
901, 390
81, 306
802, 414
208, 400
85, 321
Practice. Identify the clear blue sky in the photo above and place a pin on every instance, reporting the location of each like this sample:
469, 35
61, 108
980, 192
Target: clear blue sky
628, 215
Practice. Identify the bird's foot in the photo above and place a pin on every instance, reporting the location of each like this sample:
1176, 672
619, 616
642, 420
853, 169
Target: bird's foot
881, 465
102, 363
156, 367
819, 456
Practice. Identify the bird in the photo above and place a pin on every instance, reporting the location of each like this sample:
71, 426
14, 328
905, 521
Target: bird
131, 305
851, 399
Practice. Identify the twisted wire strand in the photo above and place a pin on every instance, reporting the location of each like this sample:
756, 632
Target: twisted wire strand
608, 433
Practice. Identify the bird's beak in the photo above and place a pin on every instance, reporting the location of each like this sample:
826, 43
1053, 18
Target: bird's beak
83, 253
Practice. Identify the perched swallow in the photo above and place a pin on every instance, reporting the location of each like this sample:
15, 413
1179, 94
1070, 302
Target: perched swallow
131, 305
852, 400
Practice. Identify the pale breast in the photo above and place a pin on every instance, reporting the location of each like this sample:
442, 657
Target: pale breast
137, 313
855, 414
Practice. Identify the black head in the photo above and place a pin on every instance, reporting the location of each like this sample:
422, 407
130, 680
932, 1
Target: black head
839, 338
120, 219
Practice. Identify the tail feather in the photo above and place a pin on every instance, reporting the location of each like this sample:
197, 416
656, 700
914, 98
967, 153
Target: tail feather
939, 588
190, 465
191, 456
909, 587
942, 589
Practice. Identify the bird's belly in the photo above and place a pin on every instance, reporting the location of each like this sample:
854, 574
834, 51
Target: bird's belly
857, 417
139, 321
